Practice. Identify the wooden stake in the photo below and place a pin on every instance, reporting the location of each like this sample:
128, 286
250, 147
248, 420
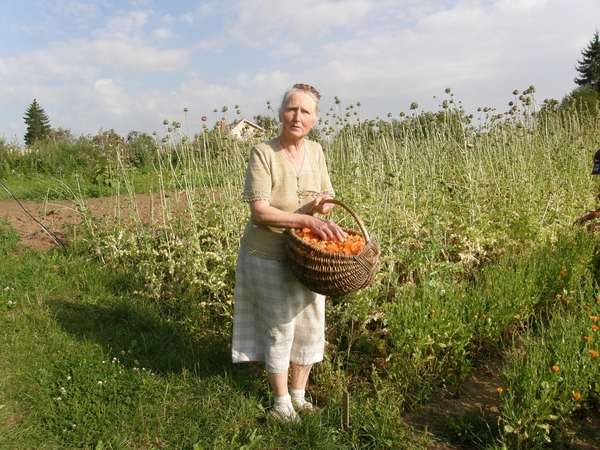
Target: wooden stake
346, 411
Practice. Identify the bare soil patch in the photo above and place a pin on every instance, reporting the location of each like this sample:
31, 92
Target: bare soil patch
62, 217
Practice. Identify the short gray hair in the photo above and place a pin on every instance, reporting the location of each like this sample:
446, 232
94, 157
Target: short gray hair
306, 89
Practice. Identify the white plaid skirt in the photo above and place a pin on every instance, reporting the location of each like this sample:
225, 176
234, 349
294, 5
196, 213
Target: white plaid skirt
276, 319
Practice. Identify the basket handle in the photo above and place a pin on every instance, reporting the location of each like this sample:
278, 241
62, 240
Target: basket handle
352, 213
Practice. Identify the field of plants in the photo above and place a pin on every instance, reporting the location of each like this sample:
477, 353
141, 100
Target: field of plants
122, 339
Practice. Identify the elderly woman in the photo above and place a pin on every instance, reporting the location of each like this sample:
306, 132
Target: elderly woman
276, 319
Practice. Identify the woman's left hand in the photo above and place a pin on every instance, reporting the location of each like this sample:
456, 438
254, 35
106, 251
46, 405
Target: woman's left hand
322, 208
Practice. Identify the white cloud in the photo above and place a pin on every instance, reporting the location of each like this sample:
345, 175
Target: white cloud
82, 60
125, 27
188, 18
162, 34
268, 22
79, 11
107, 96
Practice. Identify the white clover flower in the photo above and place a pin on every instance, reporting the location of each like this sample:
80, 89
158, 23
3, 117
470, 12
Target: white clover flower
63, 391
99, 383
69, 378
7, 288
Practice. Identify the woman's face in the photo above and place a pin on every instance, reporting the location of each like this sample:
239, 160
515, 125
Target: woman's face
298, 115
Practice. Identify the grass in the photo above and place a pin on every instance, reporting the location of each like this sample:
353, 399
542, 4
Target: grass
104, 368
127, 336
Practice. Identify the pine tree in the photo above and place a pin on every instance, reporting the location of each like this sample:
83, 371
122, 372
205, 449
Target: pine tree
38, 124
589, 67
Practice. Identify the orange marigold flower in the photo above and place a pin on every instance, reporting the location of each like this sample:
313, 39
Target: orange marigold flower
586, 307
555, 368
587, 338
581, 261
563, 272
351, 245
594, 353
594, 328
499, 390
576, 396
594, 318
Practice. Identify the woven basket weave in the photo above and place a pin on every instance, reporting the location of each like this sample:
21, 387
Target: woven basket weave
329, 273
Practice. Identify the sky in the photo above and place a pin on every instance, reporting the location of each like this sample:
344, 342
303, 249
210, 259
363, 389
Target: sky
128, 65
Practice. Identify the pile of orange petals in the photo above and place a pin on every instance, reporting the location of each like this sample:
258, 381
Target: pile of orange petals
353, 244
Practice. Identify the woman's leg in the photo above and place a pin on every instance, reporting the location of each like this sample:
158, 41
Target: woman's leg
298, 385
279, 383
283, 409
300, 376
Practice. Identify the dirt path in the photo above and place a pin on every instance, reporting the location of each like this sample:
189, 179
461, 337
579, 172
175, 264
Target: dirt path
61, 217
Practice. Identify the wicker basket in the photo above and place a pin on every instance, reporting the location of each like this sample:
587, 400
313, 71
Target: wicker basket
329, 273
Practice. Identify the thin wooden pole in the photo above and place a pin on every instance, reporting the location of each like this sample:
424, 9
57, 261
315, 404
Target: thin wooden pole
346, 411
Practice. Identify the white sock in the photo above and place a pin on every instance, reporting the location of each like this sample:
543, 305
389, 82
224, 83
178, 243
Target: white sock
283, 403
298, 396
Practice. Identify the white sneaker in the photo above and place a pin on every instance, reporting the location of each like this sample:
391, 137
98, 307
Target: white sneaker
306, 407
284, 415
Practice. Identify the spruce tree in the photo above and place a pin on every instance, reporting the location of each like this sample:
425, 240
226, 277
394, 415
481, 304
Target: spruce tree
589, 66
38, 124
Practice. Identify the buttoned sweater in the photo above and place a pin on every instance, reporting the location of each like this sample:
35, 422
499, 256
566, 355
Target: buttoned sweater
270, 176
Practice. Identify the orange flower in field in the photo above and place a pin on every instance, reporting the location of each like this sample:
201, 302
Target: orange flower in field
499, 390
594, 318
587, 308
594, 353
587, 339
576, 396
563, 272
555, 368
594, 328
581, 261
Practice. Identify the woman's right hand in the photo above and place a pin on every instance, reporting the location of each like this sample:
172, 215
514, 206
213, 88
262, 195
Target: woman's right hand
327, 230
